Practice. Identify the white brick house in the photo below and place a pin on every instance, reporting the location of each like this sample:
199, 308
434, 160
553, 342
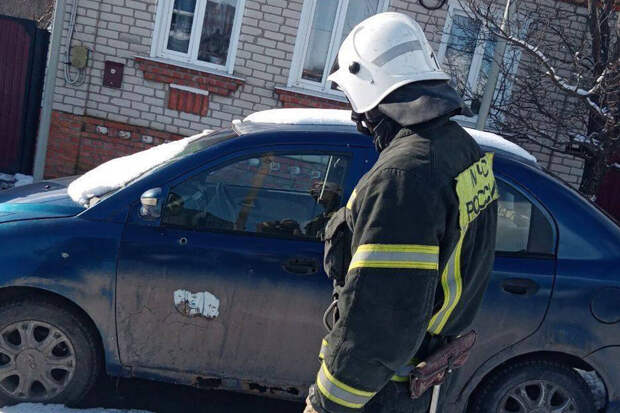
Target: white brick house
181, 66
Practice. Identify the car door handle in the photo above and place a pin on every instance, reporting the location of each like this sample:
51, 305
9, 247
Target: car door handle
302, 266
520, 286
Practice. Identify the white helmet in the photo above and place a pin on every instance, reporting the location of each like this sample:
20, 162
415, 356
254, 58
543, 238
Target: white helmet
381, 54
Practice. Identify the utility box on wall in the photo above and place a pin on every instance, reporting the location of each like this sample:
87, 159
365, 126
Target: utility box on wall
113, 74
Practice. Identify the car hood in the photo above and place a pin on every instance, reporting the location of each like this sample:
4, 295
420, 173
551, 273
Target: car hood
45, 199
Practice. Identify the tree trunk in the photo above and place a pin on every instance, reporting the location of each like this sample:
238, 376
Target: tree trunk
594, 171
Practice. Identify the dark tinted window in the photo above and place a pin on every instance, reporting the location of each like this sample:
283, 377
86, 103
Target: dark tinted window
287, 195
521, 226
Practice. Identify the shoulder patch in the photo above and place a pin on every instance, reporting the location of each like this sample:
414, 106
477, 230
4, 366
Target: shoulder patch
476, 189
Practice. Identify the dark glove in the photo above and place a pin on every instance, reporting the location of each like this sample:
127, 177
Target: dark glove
337, 247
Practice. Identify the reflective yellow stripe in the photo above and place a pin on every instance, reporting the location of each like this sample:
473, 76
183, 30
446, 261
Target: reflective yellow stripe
340, 393
422, 249
476, 189
452, 285
400, 379
335, 399
402, 374
323, 349
351, 199
424, 257
345, 387
394, 264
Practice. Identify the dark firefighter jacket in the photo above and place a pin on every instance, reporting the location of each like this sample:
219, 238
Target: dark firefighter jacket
423, 223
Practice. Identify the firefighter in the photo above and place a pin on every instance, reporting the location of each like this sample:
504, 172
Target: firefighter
422, 223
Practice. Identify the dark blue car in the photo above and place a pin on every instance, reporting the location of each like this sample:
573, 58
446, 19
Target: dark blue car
207, 270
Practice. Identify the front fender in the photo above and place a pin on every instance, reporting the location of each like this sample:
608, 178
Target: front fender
72, 257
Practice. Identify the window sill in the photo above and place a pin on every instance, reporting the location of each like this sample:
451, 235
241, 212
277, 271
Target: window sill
178, 73
190, 66
295, 98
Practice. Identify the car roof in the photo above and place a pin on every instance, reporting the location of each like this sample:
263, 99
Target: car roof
333, 120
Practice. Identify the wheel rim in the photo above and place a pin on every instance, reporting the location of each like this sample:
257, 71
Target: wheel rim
538, 396
37, 360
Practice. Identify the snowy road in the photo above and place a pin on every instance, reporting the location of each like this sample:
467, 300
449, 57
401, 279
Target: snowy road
38, 408
137, 396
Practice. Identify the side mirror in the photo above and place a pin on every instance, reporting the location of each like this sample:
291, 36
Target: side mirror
151, 203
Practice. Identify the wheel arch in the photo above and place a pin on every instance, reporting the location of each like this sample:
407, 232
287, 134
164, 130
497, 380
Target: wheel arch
567, 359
10, 293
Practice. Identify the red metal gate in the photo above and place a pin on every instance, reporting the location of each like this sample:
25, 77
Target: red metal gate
608, 196
23, 50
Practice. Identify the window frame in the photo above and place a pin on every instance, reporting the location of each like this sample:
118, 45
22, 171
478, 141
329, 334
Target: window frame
161, 30
303, 39
455, 8
254, 153
518, 188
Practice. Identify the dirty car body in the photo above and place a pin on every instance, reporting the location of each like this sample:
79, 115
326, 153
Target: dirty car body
235, 300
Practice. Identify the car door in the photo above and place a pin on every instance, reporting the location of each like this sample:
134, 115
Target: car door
520, 287
229, 283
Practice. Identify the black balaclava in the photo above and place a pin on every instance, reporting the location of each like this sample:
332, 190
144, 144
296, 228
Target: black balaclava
375, 124
410, 105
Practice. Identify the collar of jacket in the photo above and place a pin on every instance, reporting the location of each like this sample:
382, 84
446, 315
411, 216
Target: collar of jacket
420, 102
421, 127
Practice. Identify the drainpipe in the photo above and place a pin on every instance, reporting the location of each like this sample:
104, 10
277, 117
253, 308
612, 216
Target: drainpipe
48, 91
489, 90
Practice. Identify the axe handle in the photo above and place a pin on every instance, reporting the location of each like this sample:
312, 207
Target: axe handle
435, 398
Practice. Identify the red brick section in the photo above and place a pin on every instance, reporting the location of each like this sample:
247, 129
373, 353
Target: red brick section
76, 146
166, 73
300, 100
185, 101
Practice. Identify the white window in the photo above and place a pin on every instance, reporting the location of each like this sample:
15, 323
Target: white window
324, 25
199, 32
467, 52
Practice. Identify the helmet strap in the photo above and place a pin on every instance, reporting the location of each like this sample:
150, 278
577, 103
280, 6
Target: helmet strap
359, 120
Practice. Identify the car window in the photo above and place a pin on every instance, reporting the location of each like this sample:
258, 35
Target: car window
521, 225
289, 195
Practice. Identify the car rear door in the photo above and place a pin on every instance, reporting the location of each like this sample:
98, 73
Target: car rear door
520, 287
230, 282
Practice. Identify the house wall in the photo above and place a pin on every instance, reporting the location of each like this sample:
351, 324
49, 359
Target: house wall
92, 123
40, 11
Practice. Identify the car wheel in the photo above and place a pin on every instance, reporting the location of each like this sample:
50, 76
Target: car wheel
47, 353
534, 387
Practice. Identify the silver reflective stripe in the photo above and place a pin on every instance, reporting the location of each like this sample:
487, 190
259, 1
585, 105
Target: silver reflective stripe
393, 257
396, 51
338, 393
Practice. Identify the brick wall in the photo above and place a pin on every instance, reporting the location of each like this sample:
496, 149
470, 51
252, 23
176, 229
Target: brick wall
79, 143
122, 31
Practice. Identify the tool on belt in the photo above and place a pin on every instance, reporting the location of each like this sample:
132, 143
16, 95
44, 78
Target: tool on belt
433, 371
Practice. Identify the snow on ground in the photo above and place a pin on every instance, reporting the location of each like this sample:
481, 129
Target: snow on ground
116, 173
56, 408
9, 181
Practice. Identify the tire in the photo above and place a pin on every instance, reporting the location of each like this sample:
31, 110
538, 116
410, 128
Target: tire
48, 354
535, 386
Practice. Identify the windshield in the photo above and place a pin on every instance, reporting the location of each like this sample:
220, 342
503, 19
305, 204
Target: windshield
198, 144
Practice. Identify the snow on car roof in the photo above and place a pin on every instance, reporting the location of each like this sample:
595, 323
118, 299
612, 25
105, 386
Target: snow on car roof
337, 117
